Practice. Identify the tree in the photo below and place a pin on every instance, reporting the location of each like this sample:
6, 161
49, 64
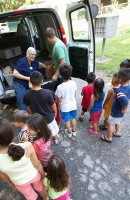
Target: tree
12, 4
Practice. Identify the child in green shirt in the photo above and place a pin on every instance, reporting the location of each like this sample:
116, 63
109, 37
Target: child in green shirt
57, 181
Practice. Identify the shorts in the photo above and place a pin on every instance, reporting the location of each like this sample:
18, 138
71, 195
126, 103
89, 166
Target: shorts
64, 196
28, 189
84, 109
53, 127
113, 120
95, 117
66, 116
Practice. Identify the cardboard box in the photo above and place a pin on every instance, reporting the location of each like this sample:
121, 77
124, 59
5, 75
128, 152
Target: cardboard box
10, 52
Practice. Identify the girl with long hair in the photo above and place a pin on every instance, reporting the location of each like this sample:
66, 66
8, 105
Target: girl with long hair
41, 134
57, 181
95, 106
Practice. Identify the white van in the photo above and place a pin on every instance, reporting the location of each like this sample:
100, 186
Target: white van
27, 28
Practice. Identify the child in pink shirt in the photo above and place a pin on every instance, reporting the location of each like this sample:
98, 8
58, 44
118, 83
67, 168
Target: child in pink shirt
87, 91
37, 128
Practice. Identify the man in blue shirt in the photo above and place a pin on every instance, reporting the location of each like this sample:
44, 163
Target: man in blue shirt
119, 106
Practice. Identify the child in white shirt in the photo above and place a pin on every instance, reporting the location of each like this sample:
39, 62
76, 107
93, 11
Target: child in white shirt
66, 93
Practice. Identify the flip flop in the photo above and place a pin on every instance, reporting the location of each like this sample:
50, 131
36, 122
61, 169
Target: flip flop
103, 127
104, 139
115, 135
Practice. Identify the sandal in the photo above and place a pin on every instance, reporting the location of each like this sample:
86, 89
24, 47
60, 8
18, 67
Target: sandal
115, 135
91, 131
103, 127
104, 139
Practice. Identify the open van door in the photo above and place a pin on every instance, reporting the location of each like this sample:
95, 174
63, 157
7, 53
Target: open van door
81, 38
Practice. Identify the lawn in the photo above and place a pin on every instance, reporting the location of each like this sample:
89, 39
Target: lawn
116, 48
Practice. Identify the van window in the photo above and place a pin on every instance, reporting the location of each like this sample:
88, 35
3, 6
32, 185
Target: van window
80, 25
13, 26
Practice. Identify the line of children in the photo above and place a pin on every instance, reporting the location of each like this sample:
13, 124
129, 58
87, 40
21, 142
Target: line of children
57, 181
119, 106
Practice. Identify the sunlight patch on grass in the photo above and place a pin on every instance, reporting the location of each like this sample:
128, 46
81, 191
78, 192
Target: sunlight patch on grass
126, 41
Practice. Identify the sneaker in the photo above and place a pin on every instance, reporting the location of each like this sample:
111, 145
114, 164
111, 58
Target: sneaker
81, 118
67, 133
74, 133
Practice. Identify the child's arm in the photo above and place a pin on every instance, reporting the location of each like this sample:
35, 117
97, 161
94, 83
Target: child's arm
6, 179
107, 98
91, 102
124, 109
54, 108
59, 102
82, 93
29, 110
30, 152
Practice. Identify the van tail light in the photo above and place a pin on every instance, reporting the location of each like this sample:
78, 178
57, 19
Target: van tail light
63, 34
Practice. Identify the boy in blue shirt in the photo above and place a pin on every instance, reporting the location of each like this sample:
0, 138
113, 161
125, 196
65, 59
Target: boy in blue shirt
119, 106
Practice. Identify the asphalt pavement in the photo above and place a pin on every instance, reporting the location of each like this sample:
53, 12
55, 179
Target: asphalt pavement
98, 170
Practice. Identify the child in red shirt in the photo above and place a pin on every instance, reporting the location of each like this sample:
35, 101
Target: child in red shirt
87, 91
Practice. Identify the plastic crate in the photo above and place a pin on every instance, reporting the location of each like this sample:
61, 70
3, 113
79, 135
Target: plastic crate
9, 78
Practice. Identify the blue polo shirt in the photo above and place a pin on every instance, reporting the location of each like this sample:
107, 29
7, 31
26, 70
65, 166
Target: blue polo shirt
25, 69
121, 99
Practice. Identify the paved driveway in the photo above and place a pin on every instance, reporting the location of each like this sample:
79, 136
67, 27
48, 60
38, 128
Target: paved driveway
98, 170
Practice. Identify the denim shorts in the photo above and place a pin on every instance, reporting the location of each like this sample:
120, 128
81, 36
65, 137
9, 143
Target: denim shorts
66, 116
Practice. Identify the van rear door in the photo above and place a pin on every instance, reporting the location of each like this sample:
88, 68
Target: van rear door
81, 39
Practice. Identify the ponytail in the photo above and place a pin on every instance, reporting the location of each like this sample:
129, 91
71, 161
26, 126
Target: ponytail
15, 152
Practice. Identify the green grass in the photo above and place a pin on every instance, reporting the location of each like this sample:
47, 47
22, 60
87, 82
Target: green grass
116, 48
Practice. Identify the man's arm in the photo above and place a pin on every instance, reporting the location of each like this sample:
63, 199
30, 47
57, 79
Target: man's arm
54, 77
42, 65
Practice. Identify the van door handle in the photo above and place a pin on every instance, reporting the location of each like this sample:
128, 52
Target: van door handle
90, 52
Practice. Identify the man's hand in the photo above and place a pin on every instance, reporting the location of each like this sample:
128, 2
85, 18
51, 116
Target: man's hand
54, 77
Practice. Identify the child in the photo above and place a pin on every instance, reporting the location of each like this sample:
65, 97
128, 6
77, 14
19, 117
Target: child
58, 117
57, 181
20, 117
119, 106
125, 64
20, 164
66, 93
108, 101
87, 91
37, 128
41, 101
95, 106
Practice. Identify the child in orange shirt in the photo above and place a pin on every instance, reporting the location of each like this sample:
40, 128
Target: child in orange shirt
108, 101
